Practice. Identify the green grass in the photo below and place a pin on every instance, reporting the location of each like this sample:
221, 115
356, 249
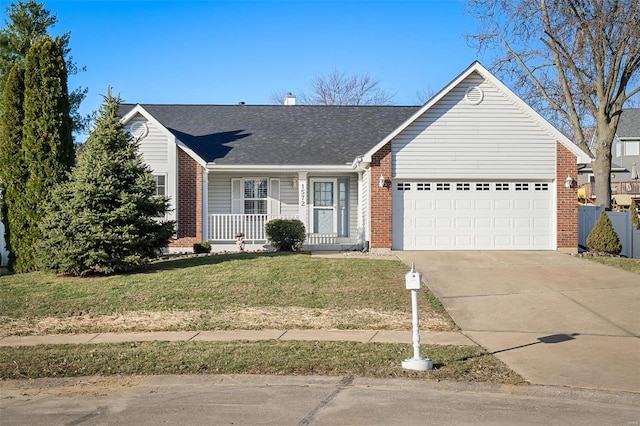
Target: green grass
462, 363
213, 282
631, 265
214, 286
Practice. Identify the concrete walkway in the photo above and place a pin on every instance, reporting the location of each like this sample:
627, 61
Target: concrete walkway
553, 318
363, 336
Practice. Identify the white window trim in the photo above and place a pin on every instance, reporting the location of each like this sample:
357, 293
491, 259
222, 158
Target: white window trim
272, 199
166, 183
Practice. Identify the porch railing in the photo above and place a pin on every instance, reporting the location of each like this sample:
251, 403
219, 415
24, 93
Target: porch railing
629, 187
224, 227
317, 239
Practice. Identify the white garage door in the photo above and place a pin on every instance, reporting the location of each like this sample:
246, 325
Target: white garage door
472, 215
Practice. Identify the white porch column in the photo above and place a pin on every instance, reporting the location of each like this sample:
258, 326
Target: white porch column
205, 204
303, 191
360, 223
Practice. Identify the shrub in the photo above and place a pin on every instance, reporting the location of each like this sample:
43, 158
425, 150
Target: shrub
603, 238
202, 247
286, 234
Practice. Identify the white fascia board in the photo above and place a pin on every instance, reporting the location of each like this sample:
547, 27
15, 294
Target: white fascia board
581, 156
191, 153
139, 109
279, 169
436, 98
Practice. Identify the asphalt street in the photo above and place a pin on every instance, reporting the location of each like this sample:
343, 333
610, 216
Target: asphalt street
285, 400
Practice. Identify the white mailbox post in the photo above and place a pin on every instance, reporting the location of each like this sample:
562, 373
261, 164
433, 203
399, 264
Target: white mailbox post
413, 281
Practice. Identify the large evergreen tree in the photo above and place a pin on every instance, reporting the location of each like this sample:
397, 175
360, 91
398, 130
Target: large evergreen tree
12, 166
47, 142
103, 220
27, 23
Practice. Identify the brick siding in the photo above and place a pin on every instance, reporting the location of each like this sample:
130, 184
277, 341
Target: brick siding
566, 204
189, 205
381, 201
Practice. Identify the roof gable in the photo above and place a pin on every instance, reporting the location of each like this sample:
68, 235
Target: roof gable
476, 67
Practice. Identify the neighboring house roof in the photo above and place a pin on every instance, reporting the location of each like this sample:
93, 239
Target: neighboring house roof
582, 157
629, 124
277, 134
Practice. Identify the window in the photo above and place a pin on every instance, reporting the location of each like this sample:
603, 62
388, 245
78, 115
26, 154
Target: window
541, 187
632, 148
443, 187
423, 186
522, 186
161, 185
463, 186
403, 186
502, 186
483, 187
255, 196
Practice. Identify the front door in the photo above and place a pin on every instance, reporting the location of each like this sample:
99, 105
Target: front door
324, 214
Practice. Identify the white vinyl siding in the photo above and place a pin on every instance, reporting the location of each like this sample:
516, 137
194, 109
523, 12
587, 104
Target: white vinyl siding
154, 146
458, 140
159, 153
220, 193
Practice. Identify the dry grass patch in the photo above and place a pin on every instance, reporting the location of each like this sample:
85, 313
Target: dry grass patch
242, 319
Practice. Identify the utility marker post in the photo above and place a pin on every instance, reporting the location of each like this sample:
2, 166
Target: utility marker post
413, 281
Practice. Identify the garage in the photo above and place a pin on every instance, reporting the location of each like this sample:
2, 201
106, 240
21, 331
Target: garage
472, 215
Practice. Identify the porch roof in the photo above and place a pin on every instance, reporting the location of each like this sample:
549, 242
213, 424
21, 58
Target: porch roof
278, 134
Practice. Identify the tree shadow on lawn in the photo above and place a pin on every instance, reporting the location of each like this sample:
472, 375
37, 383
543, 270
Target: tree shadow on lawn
189, 261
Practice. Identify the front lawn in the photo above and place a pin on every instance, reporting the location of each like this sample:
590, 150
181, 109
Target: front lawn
631, 265
237, 291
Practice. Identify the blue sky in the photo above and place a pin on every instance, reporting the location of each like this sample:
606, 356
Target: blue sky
224, 52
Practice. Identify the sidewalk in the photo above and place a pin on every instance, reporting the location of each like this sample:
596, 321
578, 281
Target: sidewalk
362, 336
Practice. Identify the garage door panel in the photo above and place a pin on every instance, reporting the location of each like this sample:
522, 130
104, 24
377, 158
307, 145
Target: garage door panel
541, 204
506, 215
502, 241
444, 241
444, 223
446, 204
424, 223
502, 223
463, 206
523, 204
500, 204
481, 205
523, 223
424, 204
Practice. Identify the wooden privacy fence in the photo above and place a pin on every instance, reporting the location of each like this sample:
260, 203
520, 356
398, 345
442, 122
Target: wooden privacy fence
629, 237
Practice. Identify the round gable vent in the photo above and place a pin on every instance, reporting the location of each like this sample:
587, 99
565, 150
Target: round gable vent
139, 129
474, 95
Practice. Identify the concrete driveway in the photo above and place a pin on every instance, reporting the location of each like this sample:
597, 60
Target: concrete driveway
553, 318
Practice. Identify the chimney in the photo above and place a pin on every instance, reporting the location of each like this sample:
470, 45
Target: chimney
289, 99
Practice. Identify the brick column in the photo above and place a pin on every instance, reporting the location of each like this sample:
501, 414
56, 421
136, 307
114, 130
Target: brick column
566, 200
381, 202
189, 205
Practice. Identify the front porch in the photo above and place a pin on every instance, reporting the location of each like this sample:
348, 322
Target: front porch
223, 228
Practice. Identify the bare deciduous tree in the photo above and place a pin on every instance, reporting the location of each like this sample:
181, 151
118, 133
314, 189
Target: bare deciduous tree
575, 61
422, 96
338, 88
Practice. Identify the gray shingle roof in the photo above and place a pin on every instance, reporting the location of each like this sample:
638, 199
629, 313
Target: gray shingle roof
277, 134
629, 124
